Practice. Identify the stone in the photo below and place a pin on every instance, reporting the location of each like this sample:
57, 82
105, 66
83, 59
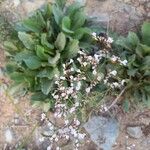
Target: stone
135, 132
9, 136
103, 131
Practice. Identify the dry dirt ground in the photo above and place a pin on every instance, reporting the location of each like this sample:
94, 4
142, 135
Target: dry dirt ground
23, 120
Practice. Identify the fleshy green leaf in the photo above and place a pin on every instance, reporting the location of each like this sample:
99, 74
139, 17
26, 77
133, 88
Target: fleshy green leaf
60, 41
33, 62
46, 85
71, 49
53, 60
66, 24
26, 39
40, 53
146, 33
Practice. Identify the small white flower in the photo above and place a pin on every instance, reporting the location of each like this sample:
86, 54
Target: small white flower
123, 82
78, 86
64, 66
81, 53
77, 104
79, 60
56, 139
88, 90
114, 72
72, 109
78, 70
94, 34
62, 78
56, 96
58, 148
116, 84
49, 147
90, 58
124, 62
72, 69
71, 61
110, 40
43, 116
94, 72
81, 136
70, 90
41, 139
66, 122
77, 122
85, 64
114, 58
96, 57
63, 94
57, 82
67, 137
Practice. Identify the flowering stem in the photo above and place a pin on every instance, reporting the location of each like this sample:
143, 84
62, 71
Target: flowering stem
118, 97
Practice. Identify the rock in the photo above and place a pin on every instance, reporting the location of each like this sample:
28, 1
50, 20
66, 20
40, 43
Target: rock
9, 136
103, 131
135, 132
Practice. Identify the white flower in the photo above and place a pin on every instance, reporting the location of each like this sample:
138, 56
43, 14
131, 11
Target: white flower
99, 78
43, 116
57, 82
67, 137
116, 84
71, 61
124, 62
81, 53
64, 66
110, 40
58, 148
77, 122
123, 82
49, 147
62, 78
85, 64
94, 72
114, 72
72, 109
63, 94
56, 96
70, 90
66, 122
81, 136
72, 69
114, 58
78, 86
94, 34
79, 60
90, 58
41, 139
96, 57
78, 70
77, 104
88, 90
56, 139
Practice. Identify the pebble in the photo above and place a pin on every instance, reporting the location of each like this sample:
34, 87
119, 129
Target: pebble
8, 136
135, 132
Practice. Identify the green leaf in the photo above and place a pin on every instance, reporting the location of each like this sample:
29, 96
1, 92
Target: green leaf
54, 60
78, 20
58, 14
33, 62
71, 49
10, 46
46, 85
61, 3
26, 39
132, 72
66, 24
146, 33
40, 53
45, 42
60, 41
38, 96
48, 73
23, 55
17, 77
79, 33
133, 39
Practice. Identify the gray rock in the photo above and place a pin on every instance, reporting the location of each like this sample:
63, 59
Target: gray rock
9, 137
135, 132
103, 131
